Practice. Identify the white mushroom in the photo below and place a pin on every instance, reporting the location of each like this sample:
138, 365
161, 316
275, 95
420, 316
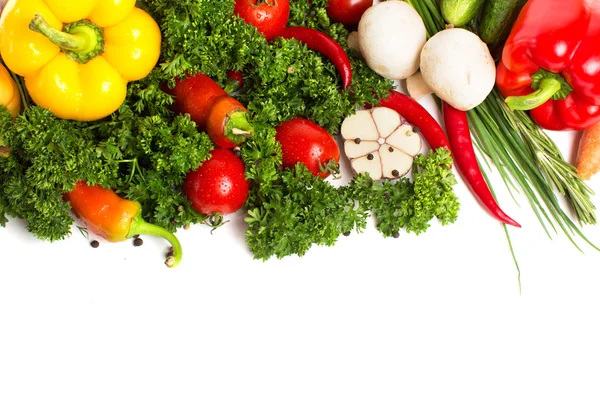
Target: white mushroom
458, 67
391, 35
380, 142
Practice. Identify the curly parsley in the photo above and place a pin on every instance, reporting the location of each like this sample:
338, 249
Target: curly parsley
144, 150
302, 210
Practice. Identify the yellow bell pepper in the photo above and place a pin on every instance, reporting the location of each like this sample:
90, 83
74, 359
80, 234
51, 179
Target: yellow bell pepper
9, 92
9, 98
77, 56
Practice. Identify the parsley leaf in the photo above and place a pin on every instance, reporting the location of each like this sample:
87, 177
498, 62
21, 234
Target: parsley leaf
302, 210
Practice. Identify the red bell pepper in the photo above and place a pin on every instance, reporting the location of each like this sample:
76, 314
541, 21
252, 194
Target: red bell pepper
551, 63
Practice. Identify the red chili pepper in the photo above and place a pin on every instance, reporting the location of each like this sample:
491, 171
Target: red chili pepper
418, 116
195, 95
318, 41
459, 134
116, 219
551, 65
224, 118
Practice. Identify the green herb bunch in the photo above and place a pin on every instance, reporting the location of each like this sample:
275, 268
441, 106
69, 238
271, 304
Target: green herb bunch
144, 150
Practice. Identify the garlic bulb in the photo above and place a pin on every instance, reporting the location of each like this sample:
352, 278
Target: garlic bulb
380, 142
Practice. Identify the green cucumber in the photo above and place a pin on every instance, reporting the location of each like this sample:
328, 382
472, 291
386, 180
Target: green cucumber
460, 12
497, 20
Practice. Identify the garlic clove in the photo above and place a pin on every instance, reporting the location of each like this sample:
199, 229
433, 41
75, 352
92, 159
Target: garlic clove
371, 164
386, 120
416, 86
358, 148
361, 126
394, 163
405, 139
352, 42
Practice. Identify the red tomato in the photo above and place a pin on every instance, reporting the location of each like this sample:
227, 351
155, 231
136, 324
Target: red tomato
268, 16
218, 185
303, 141
347, 12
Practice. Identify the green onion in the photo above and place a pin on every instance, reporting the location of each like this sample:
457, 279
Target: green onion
526, 158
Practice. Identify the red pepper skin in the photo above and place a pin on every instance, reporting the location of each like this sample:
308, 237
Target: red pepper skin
224, 118
237, 77
459, 134
195, 95
562, 39
114, 218
320, 42
417, 115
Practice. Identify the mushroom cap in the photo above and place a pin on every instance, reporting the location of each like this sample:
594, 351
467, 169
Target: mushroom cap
391, 35
458, 67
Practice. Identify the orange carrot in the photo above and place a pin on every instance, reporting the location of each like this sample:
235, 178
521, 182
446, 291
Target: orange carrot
588, 159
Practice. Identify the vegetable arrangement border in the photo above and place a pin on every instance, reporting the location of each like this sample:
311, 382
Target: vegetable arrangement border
225, 110
144, 150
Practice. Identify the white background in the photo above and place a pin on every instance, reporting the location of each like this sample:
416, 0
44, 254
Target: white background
435, 316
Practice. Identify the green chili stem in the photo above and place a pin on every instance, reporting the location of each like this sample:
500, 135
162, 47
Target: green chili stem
141, 227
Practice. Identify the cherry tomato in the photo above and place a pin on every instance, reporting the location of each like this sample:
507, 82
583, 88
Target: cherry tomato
303, 141
268, 16
347, 12
218, 185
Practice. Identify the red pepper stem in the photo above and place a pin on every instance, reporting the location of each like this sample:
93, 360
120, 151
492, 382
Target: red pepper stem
141, 227
548, 87
238, 127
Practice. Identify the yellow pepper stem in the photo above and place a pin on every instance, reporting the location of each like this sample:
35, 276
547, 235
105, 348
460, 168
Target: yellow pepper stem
81, 40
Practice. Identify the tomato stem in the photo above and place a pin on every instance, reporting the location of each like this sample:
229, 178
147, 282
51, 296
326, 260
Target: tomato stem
332, 167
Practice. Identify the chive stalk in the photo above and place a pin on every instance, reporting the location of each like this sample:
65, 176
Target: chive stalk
525, 156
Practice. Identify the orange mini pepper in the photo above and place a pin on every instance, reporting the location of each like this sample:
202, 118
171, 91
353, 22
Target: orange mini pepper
116, 219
